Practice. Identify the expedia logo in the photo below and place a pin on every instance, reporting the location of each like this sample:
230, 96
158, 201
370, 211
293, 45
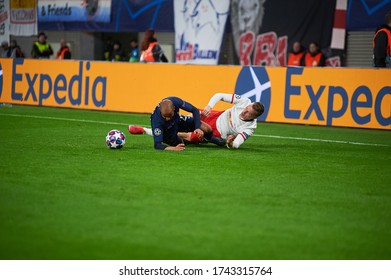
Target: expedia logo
254, 83
1, 80
81, 88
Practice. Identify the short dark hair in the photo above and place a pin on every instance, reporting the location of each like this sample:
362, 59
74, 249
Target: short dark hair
258, 108
388, 17
42, 34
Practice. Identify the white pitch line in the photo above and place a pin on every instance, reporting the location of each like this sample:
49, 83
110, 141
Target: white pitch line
256, 135
321, 140
60, 119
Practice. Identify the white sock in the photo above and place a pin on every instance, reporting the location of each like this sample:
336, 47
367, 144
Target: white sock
148, 131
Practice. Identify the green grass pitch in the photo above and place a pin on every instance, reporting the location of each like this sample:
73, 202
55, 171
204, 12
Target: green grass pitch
64, 195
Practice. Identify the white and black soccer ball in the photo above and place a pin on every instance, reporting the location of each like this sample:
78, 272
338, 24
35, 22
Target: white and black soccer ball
115, 139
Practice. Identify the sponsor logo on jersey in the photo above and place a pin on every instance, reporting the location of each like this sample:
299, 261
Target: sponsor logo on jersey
254, 83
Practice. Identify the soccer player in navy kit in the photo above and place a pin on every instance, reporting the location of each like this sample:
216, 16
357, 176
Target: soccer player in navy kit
166, 122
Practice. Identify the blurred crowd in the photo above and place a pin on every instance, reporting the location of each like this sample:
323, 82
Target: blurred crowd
151, 51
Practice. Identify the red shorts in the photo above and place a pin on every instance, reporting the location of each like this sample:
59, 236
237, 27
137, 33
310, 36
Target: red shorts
211, 120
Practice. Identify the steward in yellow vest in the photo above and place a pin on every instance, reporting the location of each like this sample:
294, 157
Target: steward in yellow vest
41, 48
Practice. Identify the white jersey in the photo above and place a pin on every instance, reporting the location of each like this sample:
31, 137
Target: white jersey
229, 122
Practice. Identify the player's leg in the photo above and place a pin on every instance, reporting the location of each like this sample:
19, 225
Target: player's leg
135, 129
193, 138
185, 136
207, 129
215, 136
211, 122
186, 129
170, 136
217, 141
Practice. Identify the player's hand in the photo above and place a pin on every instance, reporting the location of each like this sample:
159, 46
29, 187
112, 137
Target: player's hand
206, 112
199, 133
230, 140
179, 147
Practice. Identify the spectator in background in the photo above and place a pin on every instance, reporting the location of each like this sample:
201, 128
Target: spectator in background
64, 52
382, 44
108, 49
6, 49
16, 50
150, 49
296, 56
41, 48
133, 55
314, 57
117, 53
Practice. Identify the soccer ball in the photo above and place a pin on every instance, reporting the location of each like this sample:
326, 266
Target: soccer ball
115, 139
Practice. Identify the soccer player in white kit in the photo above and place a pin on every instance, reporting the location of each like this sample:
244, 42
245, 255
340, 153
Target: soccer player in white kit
236, 124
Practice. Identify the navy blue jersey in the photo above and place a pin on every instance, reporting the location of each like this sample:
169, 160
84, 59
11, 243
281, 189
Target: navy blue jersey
166, 131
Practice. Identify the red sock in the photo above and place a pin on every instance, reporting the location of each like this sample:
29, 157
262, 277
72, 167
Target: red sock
194, 138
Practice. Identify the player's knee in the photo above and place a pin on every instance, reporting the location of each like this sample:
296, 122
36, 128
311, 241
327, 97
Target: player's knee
206, 128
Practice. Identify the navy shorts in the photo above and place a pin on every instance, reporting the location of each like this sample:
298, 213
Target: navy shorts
186, 124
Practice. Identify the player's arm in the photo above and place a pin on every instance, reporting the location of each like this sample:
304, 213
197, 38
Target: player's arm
179, 147
179, 103
191, 109
158, 143
158, 139
226, 97
157, 132
235, 142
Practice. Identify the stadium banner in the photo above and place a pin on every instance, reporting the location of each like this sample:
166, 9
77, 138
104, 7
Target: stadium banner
126, 16
264, 30
320, 96
366, 14
24, 21
4, 21
199, 30
71, 11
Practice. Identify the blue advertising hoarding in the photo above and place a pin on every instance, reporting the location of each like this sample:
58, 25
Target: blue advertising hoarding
126, 16
366, 14
71, 10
